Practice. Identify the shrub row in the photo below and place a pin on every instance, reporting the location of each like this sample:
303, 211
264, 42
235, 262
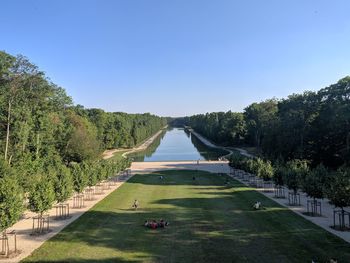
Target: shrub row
55, 184
317, 182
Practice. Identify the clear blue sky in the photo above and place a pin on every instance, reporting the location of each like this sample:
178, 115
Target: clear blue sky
180, 57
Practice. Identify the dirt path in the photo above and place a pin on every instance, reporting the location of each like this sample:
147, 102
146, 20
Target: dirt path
110, 153
210, 144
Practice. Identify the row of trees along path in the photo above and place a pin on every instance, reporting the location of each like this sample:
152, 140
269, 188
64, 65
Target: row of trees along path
36, 226
307, 198
296, 186
51, 148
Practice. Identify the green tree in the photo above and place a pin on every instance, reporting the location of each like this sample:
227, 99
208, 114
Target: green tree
279, 174
338, 192
42, 196
80, 180
314, 182
63, 184
258, 118
11, 202
296, 171
82, 144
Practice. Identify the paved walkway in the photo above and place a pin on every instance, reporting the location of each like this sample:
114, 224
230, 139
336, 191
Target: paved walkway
209, 166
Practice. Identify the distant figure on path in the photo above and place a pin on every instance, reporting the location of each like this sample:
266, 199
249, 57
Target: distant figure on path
136, 204
161, 177
198, 162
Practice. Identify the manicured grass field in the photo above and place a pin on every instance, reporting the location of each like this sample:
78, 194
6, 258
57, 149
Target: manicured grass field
209, 222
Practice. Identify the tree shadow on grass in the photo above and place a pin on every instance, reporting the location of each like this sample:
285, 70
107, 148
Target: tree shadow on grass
194, 235
176, 177
220, 228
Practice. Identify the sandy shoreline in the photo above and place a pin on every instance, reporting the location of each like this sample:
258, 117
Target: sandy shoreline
110, 153
210, 144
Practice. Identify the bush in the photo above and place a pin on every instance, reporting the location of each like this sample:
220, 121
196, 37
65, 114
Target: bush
263, 169
11, 202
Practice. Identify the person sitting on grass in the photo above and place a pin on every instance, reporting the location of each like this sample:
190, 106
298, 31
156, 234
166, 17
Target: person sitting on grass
257, 206
154, 224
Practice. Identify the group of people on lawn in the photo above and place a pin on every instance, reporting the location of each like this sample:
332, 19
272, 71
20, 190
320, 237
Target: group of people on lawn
154, 224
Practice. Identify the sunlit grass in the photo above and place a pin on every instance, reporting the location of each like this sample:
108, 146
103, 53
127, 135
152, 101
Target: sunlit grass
209, 222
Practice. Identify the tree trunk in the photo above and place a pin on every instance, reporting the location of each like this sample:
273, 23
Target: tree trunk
8, 130
257, 139
24, 143
314, 210
37, 145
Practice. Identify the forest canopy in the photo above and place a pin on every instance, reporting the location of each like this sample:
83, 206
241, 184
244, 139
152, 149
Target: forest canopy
49, 146
314, 126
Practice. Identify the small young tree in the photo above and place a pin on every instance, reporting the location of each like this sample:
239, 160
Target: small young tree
11, 202
313, 185
296, 171
338, 192
314, 181
42, 196
101, 171
110, 167
249, 165
264, 169
80, 179
279, 174
63, 184
236, 161
90, 171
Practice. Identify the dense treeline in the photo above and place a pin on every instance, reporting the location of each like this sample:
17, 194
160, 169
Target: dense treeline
118, 129
223, 128
304, 141
48, 146
314, 126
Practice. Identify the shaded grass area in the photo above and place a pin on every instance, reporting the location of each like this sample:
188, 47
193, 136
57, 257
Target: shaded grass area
209, 222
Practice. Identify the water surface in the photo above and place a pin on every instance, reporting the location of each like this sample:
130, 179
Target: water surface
176, 144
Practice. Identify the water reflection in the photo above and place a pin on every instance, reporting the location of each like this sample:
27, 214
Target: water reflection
176, 144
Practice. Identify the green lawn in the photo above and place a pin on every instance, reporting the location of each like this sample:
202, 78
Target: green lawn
209, 222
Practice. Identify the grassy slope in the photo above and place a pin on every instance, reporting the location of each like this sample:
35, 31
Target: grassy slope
210, 222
